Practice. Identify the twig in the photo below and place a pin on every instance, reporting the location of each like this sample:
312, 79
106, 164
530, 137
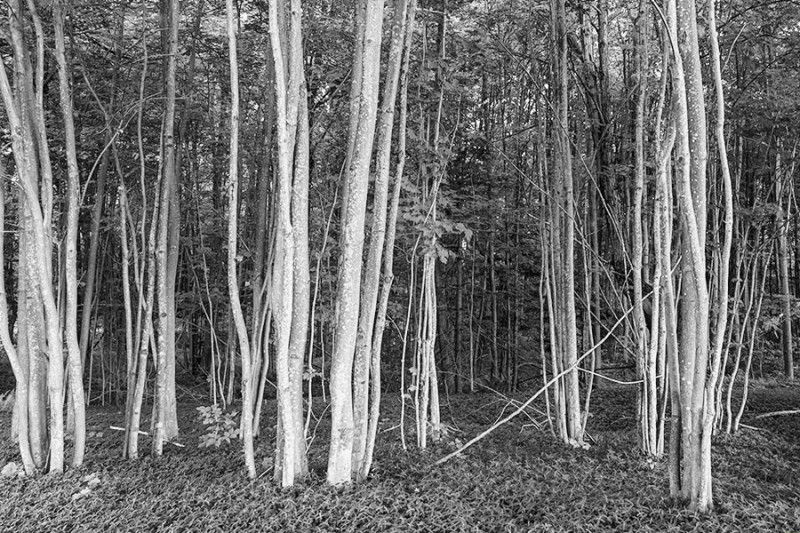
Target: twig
778, 413
115, 428
178, 444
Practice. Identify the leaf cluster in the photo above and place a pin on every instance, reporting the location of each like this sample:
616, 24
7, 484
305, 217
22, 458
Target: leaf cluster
221, 426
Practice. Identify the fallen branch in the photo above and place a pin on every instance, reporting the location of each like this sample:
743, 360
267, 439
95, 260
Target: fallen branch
530, 400
178, 444
778, 413
117, 428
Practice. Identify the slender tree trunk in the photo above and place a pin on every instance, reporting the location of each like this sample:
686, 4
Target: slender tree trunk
369, 292
17, 365
783, 216
290, 288
364, 106
24, 105
458, 322
302, 283
144, 265
564, 238
691, 452
388, 254
166, 352
74, 365
233, 226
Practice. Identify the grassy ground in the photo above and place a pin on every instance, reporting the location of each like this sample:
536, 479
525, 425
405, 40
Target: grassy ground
518, 479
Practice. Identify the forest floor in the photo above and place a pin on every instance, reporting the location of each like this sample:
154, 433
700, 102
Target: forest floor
517, 479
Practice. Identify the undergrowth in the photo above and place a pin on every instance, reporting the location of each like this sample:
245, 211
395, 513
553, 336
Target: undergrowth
518, 479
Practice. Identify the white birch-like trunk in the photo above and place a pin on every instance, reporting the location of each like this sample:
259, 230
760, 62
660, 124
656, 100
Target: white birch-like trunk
563, 263
233, 226
364, 358
74, 365
165, 359
367, 64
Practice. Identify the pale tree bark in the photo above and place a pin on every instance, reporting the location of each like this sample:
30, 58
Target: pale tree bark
17, 367
145, 343
41, 329
563, 241
650, 343
30, 338
364, 357
302, 291
387, 276
723, 274
367, 64
130, 361
233, 226
647, 434
165, 419
425, 378
782, 221
74, 365
290, 283
690, 448
42, 214
598, 112
145, 277
662, 327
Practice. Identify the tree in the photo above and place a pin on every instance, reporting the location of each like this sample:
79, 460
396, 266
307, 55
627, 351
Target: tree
41, 334
165, 419
366, 361
74, 363
561, 214
696, 369
364, 105
290, 271
233, 284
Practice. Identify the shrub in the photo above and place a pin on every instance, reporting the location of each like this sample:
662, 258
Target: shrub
220, 426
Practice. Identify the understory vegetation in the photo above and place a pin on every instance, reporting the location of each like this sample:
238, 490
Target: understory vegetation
519, 478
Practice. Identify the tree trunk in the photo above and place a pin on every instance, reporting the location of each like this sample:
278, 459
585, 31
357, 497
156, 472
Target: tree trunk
364, 109
41, 324
17, 365
74, 365
363, 357
783, 216
563, 265
290, 288
233, 228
